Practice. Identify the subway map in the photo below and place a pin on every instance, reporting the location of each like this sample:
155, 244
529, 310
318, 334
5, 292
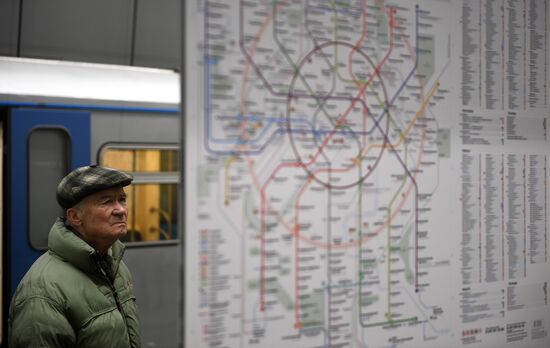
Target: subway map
365, 173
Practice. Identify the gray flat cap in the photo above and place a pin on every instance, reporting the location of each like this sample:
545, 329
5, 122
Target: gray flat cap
84, 181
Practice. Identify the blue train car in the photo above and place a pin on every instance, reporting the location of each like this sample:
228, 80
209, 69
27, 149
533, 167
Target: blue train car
56, 116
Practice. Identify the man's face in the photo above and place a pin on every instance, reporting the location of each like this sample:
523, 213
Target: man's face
104, 217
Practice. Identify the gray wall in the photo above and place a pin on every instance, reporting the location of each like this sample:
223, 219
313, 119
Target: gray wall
127, 32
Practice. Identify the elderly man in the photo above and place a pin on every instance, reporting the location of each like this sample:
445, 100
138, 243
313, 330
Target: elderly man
79, 293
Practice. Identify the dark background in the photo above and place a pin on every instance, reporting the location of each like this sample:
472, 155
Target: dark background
126, 32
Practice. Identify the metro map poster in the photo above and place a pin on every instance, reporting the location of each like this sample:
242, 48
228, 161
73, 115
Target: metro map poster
366, 173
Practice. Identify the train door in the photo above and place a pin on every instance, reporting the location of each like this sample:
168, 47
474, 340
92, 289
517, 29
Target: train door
1, 230
44, 145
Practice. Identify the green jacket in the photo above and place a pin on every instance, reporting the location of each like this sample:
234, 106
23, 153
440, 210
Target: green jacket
66, 300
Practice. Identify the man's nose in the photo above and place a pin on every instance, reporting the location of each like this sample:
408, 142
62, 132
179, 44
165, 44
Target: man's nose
120, 208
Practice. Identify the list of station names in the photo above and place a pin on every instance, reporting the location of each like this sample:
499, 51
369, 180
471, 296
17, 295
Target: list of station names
504, 64
503, 133
504, 233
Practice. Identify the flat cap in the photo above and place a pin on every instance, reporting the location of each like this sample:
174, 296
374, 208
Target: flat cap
84, 181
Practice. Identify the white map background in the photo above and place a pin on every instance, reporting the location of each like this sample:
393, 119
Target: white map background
366, 173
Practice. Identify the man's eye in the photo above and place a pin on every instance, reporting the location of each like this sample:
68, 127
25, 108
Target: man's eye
105, 201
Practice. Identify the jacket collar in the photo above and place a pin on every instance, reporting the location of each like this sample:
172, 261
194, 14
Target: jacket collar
66, 244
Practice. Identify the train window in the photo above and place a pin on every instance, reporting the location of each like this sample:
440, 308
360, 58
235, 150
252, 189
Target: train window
48, 162
141, 160
152, 212
153, 196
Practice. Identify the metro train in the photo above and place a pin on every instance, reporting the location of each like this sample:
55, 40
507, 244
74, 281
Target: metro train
56, 116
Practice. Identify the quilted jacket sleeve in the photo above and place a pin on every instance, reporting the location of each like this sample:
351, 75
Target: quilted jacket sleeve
39, 322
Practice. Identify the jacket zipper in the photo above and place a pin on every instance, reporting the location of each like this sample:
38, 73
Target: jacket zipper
115, 296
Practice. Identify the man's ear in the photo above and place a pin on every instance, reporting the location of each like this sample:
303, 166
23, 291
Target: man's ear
73, 217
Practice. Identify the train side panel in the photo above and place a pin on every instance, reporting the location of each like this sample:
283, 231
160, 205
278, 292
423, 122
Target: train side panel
154, 263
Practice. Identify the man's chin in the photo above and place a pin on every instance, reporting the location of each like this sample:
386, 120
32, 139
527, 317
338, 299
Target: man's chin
121, 232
